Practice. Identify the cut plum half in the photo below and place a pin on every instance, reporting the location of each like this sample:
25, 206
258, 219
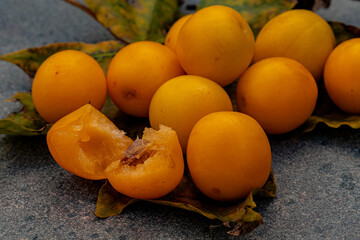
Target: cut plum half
151, 167
85, 142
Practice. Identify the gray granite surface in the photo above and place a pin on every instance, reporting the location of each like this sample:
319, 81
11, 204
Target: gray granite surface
318, 175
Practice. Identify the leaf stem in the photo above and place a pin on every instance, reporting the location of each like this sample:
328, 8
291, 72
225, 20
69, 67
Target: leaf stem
82, 7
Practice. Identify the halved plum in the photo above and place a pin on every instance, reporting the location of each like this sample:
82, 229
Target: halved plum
85, 142
151, 167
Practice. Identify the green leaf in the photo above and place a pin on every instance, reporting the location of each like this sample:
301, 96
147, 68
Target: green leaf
186, 196
135, 20
256, 13
344, 32
328, 113
26, 122
30, 59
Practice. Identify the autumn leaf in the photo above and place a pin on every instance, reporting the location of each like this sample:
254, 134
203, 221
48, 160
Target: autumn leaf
333, 120
186, 196
30, 59
343, 31
110, 202
26, 122
328, 113
256, 13
268, 190
134, 20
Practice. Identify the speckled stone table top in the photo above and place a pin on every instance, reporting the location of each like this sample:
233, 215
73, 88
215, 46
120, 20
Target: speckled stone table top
318, 175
